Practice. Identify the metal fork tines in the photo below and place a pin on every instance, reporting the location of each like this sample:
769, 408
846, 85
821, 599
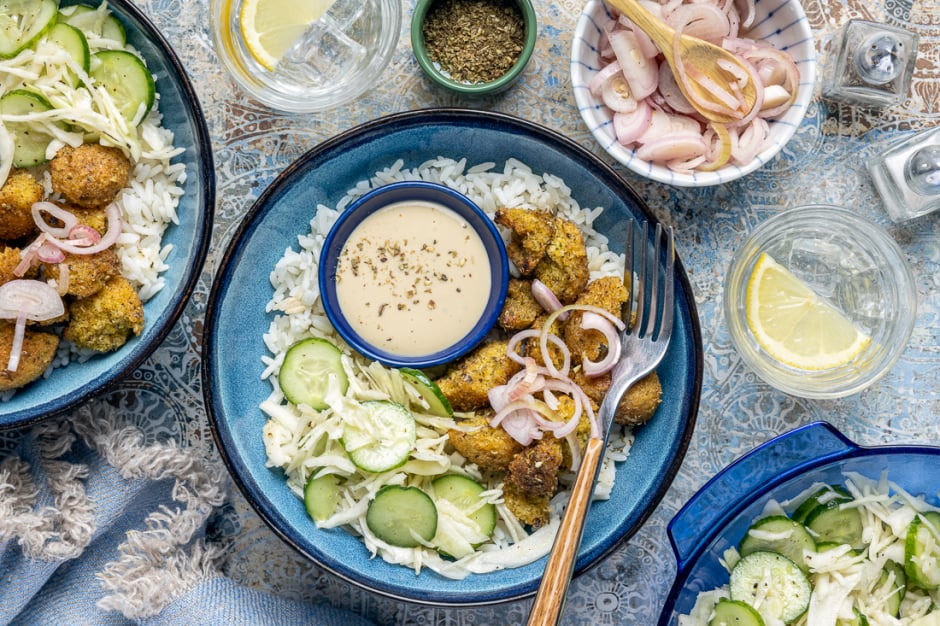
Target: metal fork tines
647, 315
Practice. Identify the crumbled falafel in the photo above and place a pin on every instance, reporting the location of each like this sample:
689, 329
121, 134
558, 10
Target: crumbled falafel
36, 355
104, 321
17, 196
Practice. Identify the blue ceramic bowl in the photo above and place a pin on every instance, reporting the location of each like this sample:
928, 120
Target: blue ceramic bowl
236, 321
718, 516
413, 191
70, 386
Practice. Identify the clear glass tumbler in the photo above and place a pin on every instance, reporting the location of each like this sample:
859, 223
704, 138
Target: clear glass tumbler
847, 260
338, 58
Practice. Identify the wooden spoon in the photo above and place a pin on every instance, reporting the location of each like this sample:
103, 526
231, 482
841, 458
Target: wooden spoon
699, 59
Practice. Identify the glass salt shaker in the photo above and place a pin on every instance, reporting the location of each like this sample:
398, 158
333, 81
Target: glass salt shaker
870, 64
907, 175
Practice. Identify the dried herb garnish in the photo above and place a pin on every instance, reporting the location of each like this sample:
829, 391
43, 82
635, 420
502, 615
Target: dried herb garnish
474, 41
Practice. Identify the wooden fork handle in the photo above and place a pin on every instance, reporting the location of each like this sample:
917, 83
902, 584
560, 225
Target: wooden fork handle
550, 600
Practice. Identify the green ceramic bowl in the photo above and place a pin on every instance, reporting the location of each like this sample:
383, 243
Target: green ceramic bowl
433, 69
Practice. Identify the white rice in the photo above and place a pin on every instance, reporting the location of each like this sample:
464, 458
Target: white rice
296, 298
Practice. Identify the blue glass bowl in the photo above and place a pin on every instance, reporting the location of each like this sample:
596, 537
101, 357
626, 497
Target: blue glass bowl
719, 514
69, 387
420, 191
236, 321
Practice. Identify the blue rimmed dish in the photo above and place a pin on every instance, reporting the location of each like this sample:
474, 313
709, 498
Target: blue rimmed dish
717, 517
68, 387
468, 214
236, 321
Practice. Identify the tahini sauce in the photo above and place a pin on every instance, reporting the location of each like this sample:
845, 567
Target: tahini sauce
413, 278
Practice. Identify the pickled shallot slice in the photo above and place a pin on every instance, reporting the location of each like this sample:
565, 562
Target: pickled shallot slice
630, 126
642, 73
25, 300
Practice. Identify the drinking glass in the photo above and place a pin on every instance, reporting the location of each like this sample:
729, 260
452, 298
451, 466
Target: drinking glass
845, 259
340, 55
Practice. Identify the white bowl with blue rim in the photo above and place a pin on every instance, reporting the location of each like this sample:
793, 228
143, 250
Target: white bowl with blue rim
783, 25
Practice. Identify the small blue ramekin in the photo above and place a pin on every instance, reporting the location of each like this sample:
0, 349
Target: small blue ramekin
379, 198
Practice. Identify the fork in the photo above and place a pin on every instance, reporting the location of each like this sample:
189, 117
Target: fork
643, 341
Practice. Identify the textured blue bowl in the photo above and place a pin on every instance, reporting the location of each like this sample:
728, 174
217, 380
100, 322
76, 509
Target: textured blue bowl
399, 192
717, 517
236, 320
68, 387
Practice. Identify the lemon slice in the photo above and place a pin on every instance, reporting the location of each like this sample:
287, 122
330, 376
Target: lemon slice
271, 27
794, 325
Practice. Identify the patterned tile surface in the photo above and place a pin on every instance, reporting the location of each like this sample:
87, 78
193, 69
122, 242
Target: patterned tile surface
823, 163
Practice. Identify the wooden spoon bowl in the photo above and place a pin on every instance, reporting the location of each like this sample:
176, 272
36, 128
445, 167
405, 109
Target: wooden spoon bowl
698, 61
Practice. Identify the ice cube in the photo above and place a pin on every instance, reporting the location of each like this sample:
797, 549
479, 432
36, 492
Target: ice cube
816, 262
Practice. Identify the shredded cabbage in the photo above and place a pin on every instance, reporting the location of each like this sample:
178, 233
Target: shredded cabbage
844, 579
303, 442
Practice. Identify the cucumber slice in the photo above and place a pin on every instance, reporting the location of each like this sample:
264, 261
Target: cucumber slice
830, 522
321, 496
464, 493
858, 620
396, 512
734, 613
437, 402
779, 534
23, 22
125, 77
824, 495
775, 582
386, 441
91, 20
922, 551
29, 143
72, 41
305, 373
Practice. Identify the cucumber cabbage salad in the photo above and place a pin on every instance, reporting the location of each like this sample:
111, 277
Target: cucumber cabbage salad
87, 187
863, 553
366, 446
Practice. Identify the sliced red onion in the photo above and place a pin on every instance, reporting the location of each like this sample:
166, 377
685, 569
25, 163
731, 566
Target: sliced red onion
593, 321
16, 348
746, 9
628, 127
574, 447
702, 20
597, 81
23, 300
616, 95
673, 147
646, 45
84, 235
642, 73
106, 241
546, 297
62, 282
28, 255
518, 338
67, 218
671, 93
48, 253
686, 166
